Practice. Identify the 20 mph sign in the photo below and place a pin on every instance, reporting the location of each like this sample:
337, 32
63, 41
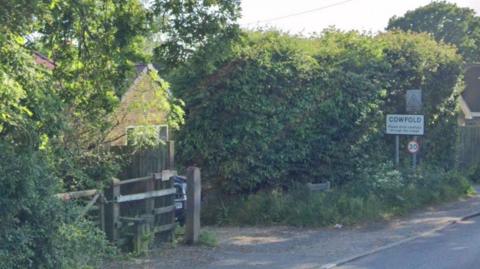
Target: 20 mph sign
413, 147
405, 124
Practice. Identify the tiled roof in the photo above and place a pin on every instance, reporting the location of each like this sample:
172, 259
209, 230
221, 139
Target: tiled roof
43, 60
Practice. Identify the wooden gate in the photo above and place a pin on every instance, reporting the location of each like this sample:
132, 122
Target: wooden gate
133, 213
139, 209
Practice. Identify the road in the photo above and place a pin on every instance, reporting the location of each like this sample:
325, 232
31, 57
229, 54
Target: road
301, 248
456, 247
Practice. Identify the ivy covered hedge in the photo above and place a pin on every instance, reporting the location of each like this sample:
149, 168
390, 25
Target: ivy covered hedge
270, 110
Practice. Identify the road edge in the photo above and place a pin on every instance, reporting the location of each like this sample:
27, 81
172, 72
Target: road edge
403, 241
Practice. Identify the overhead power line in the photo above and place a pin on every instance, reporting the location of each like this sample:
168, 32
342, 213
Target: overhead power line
302, 12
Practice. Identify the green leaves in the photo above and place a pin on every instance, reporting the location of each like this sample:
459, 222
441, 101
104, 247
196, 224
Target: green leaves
447, 23
188, 25
278, 109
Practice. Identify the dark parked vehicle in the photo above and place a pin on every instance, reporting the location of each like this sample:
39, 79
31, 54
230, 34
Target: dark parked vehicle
180, 184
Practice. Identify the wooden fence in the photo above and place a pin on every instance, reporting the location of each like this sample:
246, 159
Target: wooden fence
468, 146
133, 213
139, 163
139, 208
93, 202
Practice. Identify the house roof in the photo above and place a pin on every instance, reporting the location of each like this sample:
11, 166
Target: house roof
471, 94
140, 69
43, 60
49, 64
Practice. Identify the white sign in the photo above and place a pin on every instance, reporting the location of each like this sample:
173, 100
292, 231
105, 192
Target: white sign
413, 147
413, 101
405, 124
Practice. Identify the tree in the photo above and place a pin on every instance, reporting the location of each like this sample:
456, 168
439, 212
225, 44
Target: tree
30, 115
53, 122
182, 27
416, 61
96, 44
447, 23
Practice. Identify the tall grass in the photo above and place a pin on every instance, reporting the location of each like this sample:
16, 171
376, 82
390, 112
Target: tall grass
378, 195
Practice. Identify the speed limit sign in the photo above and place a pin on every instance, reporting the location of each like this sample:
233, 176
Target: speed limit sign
413, 147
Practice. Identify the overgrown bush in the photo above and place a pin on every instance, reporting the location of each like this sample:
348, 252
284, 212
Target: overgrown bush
81, 245
279, 110
36, 230
473, 173
382, 194
32, 219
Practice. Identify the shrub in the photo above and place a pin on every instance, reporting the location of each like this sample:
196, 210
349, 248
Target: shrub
207, 239
30, 215
81, 245
473, 173
36, 230
384, 193
280, 109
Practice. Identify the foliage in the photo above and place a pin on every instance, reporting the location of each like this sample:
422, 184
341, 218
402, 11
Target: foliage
386, 193
29, 212
473, 173
29, 112
182, 27
31, 217
448, 23
418, 62
93, 44
74, 243
53, 122
144, 137
208, 239
277, 109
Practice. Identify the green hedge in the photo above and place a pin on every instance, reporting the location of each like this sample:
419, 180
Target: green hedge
274, 110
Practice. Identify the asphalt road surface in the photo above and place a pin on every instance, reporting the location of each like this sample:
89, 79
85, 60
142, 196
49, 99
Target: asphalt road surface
456, 247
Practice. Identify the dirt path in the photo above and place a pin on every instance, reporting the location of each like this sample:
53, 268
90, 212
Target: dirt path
297, 248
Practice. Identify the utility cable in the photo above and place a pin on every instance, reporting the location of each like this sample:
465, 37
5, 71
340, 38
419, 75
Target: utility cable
302, 12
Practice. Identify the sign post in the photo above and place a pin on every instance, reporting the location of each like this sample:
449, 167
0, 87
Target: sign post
402, 124
407, 124
413, 147
397, 150
413, 104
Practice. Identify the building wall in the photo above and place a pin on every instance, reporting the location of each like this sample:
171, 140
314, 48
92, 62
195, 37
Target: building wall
140, 105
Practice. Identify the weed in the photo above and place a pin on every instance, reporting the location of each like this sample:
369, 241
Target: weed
208, 239
378, 195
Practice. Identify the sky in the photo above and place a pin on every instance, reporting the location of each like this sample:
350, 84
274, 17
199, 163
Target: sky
362, 15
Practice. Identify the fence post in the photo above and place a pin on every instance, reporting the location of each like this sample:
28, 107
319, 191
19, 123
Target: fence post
171, 201
171, 155
149, 205
140, 245
192, 229
101, 211
115, 211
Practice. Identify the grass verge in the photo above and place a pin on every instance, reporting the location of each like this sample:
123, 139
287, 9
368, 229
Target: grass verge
380, 195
